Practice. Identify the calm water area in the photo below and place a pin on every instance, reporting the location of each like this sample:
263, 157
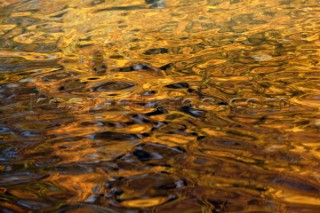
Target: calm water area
125, 106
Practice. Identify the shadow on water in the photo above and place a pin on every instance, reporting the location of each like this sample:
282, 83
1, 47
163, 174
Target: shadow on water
159, 106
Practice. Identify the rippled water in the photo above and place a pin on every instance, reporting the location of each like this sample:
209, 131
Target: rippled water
159, 106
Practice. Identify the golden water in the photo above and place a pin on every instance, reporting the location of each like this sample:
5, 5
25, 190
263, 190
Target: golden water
159, 106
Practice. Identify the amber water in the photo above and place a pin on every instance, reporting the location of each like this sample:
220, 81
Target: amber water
160, 106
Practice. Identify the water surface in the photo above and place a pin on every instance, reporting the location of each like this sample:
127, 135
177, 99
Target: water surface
159, 106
